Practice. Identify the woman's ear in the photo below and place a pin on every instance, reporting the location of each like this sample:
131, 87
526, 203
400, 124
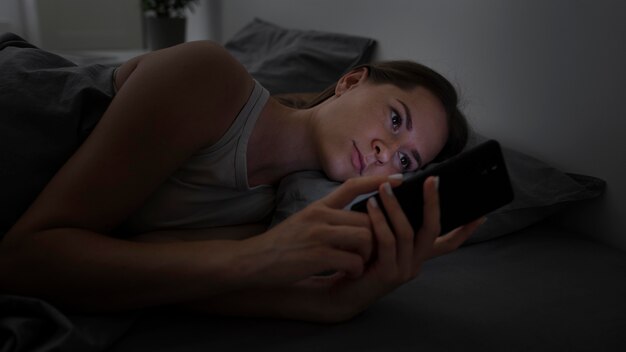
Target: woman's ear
351, 80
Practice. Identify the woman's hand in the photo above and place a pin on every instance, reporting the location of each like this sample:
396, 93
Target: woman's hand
325, 237
322, 237
399, 253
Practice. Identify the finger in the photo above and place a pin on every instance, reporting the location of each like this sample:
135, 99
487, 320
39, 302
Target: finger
353, 239
401, 227
330, 259
455, 238
385, 240
431, 226
341, 217
354, 187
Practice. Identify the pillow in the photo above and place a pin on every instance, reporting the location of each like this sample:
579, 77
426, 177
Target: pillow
540, 191
296, 61
299, 189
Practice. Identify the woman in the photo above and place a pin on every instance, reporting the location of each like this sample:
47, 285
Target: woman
89, 239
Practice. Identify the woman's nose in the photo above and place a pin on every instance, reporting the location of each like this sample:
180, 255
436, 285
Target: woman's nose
383, 152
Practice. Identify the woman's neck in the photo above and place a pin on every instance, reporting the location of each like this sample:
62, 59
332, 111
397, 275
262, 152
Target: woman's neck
282, 142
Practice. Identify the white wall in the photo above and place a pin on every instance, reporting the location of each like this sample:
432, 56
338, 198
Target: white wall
11, 17
205, 22
75, 24
90, 24
543, 76
95, 24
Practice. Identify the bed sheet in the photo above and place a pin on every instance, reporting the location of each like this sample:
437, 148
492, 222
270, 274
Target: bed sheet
540, 289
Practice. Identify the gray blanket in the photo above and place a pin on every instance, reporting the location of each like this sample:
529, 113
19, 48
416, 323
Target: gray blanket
540, 289
33, 325
48, 106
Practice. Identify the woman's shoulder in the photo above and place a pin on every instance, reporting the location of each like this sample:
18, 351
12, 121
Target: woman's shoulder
205, 57
204, 63
199, 80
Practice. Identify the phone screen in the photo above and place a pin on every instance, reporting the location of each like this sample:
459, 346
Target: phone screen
471, 185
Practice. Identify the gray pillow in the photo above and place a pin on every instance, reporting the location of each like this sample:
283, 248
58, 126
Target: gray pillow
298, 190
540, 191
296, 61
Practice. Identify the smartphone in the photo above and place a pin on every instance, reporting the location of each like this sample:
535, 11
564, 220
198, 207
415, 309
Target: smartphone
471, 184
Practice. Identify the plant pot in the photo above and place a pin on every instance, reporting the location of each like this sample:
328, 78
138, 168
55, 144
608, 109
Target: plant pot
164, 32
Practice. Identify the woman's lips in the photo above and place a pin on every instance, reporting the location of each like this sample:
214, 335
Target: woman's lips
357, 159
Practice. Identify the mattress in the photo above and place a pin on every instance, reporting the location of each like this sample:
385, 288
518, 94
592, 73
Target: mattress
541, 289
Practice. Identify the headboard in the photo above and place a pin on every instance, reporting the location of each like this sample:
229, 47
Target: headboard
543, 77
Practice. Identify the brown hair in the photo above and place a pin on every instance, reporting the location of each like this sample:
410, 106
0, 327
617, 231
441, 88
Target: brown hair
408, 75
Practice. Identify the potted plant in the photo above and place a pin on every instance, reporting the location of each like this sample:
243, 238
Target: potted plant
165, 21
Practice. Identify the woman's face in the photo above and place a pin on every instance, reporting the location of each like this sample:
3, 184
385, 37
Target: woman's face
378, 129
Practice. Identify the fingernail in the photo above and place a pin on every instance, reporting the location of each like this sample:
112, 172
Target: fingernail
396, 177
437, 182
373, 202
387, 188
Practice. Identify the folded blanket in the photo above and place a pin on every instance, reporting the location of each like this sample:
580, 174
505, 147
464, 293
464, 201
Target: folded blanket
33, 325
48, 106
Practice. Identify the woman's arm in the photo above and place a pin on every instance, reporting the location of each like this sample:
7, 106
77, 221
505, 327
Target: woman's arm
174, 102
84, 270
308, 300
88, 271
235, 232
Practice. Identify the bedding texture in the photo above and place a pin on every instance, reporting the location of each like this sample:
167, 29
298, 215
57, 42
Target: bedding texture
48, 107
535, 290
296, 61
33, 325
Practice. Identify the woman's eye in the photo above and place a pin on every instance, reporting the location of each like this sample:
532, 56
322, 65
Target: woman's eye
396, 120
405, 162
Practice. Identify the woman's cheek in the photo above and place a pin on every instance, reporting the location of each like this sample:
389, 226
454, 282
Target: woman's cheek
388, 170
335, 168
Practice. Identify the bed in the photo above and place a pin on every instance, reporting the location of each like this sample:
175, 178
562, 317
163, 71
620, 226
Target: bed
524, 282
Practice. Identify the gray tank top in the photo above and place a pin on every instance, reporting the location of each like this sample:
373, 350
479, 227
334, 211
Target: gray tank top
211, 188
